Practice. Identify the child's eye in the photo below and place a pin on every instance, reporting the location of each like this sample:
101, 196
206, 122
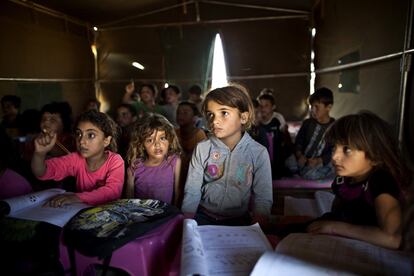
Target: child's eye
163, 138
78, 134
347, 149
91, 135
149, 141
209, 115
225, 113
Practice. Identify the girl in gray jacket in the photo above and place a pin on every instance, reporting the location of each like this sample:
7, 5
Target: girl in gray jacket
229, 179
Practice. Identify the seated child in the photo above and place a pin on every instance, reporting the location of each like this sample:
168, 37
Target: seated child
312, 157
188, 135
229, 173
99, 171
279, 144
369, 182
154, 160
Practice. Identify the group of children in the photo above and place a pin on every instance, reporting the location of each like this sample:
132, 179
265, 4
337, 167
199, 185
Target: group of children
229, 179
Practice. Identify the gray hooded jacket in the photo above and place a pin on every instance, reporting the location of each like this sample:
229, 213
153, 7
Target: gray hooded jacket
223, 181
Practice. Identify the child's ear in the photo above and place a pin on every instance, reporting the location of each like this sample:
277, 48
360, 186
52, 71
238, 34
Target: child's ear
244, 117
107, 141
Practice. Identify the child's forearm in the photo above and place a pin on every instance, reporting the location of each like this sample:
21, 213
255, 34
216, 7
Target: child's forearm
38, 164
371, 234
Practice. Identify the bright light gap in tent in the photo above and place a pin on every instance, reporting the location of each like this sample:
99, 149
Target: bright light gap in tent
219, 74
312, 65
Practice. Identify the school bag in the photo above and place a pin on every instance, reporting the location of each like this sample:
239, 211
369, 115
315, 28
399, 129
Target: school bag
99, 230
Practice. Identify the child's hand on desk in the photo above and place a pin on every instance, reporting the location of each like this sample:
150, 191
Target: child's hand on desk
324, 227
45, 142
61, 200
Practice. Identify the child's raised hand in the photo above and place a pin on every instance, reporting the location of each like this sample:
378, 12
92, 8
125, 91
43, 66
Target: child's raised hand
45, 142
130, 87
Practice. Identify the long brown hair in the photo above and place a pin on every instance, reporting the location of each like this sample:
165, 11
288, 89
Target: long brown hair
143, 129
367, 132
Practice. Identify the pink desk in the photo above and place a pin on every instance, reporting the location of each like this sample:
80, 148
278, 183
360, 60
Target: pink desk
300, 183
156, 253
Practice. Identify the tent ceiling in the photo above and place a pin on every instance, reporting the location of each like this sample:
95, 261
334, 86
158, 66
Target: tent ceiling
104, 11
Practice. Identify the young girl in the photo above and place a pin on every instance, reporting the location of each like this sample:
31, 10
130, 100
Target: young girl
154, 162
368, 185
99, 171
229, 170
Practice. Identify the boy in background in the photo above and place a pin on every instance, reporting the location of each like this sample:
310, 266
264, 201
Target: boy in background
312, 156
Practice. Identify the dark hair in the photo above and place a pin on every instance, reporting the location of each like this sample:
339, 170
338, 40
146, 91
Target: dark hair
96, 101
30, 119
367, 132
151, 87
174, 88
323, 95
9, 152
193, 107
195, 89
143, 129
61, 108
104, 123
256, 103
268, 97
130, 108
234, 95
13, 99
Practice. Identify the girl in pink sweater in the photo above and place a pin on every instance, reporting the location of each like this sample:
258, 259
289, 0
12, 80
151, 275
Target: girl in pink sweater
98, 170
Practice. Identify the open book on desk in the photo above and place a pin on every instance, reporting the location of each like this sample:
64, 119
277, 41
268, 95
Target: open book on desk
312, 207
31, 207
309, 254
221, 250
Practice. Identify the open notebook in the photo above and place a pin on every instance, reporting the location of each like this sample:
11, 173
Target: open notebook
309, 254
313, 207
221, 250
32, 207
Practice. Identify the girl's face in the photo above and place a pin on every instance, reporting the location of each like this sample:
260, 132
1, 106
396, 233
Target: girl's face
351, 162
225, 122
51, 122
266, 109
185, 115
90, 140
157, 145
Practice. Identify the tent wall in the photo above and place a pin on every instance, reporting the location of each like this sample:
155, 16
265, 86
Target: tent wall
256, 53
375, 29
38, 46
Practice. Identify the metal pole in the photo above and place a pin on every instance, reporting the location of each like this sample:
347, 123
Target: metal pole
405, 67
362, 62
205, 22
50, 12
145, 14
45, 80
253, 6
